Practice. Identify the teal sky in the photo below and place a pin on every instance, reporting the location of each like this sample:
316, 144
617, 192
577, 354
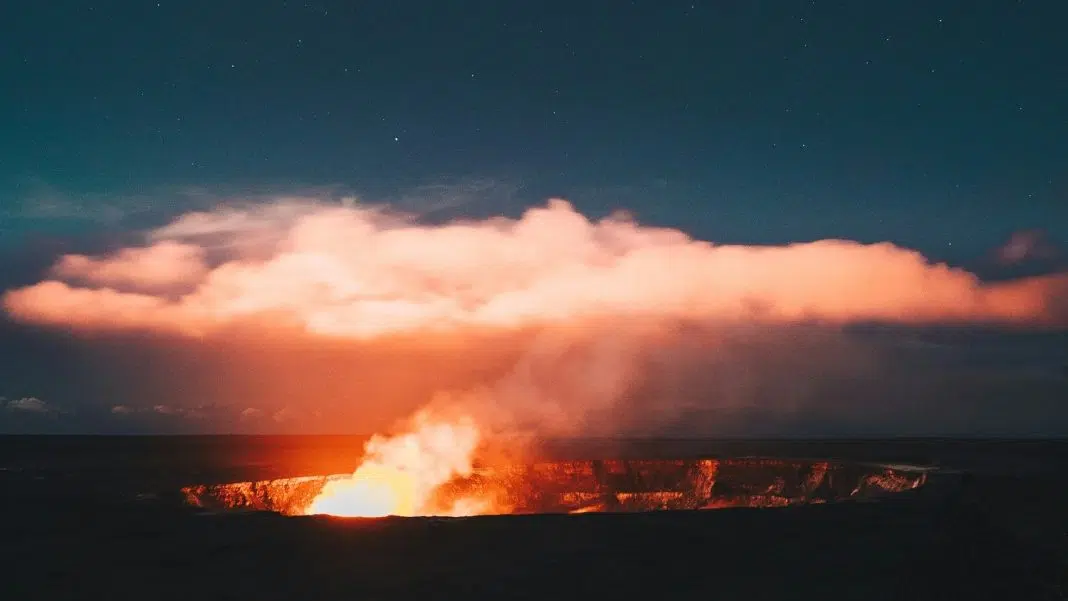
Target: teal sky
929, 123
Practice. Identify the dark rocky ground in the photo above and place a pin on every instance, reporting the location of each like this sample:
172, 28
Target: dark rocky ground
73, 528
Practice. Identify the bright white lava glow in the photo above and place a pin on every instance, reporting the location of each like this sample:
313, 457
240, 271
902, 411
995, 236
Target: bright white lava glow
401, 475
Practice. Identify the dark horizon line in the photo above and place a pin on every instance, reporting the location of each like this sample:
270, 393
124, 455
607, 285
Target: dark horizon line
835, 439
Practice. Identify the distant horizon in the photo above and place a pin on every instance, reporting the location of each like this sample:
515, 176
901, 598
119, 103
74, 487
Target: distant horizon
800, 438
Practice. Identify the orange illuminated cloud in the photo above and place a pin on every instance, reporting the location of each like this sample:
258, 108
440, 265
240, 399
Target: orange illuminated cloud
361, 273
157, 268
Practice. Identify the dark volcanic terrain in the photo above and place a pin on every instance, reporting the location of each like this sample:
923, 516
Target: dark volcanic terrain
90, 518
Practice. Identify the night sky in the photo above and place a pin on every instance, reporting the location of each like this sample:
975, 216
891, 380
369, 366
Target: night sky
938, 126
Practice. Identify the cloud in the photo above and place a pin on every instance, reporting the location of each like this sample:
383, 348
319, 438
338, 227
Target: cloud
30, 405
196, 412
286, 414
1025, 246
360, 272
169, 412
443, 199
176, 411
136, 410
160, 267
35, 199
549, 322
43, 201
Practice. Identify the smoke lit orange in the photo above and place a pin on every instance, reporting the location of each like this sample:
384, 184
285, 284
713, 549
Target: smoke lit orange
550, 323
401, 474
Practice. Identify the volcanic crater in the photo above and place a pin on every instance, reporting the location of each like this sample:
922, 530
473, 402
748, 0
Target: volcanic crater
583, 486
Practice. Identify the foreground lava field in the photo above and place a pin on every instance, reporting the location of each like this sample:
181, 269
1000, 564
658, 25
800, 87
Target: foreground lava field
78, 524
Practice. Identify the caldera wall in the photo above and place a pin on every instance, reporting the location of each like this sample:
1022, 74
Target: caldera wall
610, 485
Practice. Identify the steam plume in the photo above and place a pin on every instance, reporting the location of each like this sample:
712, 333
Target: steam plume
551, 321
